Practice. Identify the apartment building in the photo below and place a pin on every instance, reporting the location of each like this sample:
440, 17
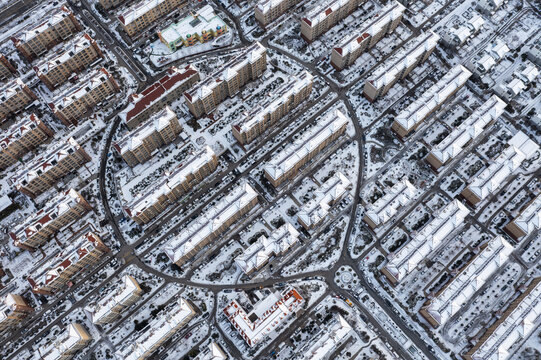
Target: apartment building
386, 207
143, 14
6, 68
431, 100
204, 97
322, 17
463, 135
13, 309
76, 101
455, 294
108, 4
52, 28
399, 65
116, 302
329, 340
61, 211
424, 242
23, 136
44, 171
279, 104
167, 89
285, 164
456, 37
138, 146
82, 251
211, 223
367, 35
211, 352
260, 252
527, 221
14, 97
503, 338
66, 60
156, 199
331, 192
488, 182
266, 315
159, 330
67, 344
266, 11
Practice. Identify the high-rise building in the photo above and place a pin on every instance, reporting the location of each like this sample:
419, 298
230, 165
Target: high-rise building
73, 339
6, 68
114, 303
266, 11
322, 17
13, 308
143, 14
15, 96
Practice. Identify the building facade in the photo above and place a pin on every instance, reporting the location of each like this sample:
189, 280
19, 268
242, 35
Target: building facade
266, 11
6, 68
74, 338
322, 17
143, 14
527, 221
13, 309
14, 97
108, 4
111, 306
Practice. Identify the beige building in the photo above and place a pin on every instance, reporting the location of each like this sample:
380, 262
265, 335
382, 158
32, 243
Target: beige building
528, 221
20, 138
13, 308
145, 13
74, 103
65, 346
138, 146
44, 171
285, 164
64, 209
266, 11
400, 65
53, 28
322, 17
267, 114
167, 89
81, 252
66, 60
14, 97
146, 207
204, 97
6, 69
108, 4
367, 35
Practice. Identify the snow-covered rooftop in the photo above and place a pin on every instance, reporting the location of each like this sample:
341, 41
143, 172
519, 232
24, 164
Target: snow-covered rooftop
530, 218
8, 305
52, 18
329, 340
115, 298
18, 130
204, 20
387, 206
212, 352
322, 10
137, 10
66, 343
10, 89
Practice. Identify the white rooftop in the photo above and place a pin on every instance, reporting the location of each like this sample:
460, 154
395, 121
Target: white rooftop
118, 296
530, 218
329, 340
322, 10
387, 206
85, 85
203, 19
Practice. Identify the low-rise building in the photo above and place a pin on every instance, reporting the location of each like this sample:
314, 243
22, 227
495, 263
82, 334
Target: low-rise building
534, 51
82, 251
259, 253
143, 209
6, 68
456, 293
527, 73
72, 105
138, 146
23, 136
164, 91
489, 57
489, 6
211, 223
399, 65
527, 221
266, 114
44, 171
453, 144
426, 241
386, 207
73, 339
316, 210
322, 17
266, 11
285, 164
211, 352
144, 13
61, 211
204, 97
108, 4
15, 96
13, 309
67, 59
431, 100
158, 331
520, 148
456, 37
367, 35
266, 315
329, 340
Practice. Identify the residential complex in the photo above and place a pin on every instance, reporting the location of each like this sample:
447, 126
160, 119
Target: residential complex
322, 17
527, 221
329, 340
211, 223
520, 148
489, 6
72, 105
45, 170
64, 209
266, 315
493, 54
6, 68
266, 11
285, 164
399, 65
367, 35
316, 210
144, 13
23, 136
167, 89
204, 97
66, 60
13, 308
431, 100
138, 146
423, 243
108, 4
14, 97
463, 135
144, 208
73, 339
266, 114
456, 37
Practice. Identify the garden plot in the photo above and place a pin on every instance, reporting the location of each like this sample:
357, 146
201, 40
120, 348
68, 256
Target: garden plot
452, 185
417, 218
395, 239
495, 144
505, 194
435, 134
470, 166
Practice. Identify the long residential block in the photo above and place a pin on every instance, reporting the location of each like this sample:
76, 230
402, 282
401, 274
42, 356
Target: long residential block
143, 14
74, 338
329, 340
13, 309
266, 11
14, 97
527, 221
322, 17
6, 68
108, 4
